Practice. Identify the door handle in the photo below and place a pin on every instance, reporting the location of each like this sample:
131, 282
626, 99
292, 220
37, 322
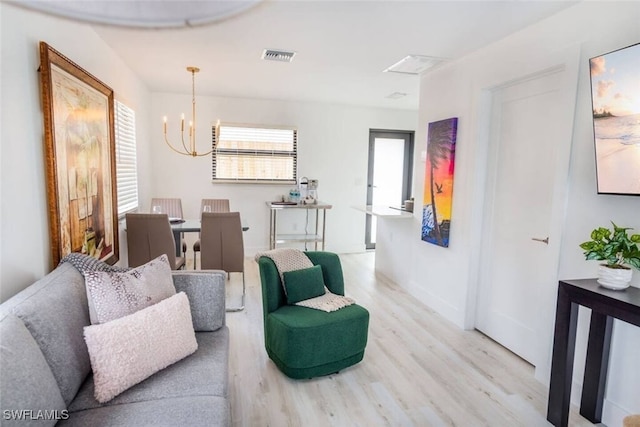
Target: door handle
545, 240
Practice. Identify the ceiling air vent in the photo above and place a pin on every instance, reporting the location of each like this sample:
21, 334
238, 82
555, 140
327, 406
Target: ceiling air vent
414, 64
278, 55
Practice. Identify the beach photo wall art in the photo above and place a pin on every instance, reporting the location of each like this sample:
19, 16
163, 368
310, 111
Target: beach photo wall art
438, 181
615, 96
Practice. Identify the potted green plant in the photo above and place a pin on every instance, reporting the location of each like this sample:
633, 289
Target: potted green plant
619, 249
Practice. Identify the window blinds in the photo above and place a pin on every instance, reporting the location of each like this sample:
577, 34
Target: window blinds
126, 170
254, 154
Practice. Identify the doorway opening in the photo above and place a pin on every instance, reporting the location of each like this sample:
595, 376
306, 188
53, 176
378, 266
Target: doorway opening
389, 178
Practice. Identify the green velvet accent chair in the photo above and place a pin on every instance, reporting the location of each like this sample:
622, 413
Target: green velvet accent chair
304, 342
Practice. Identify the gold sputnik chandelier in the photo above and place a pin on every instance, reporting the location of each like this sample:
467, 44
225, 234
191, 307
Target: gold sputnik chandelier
187, 149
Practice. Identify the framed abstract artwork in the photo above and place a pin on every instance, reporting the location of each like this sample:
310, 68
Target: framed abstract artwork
615, 99
438, 181
80, 159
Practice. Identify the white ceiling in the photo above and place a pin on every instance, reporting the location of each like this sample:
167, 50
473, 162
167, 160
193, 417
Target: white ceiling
342, 47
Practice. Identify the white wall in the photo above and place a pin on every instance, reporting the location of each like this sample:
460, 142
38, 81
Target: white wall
445, 279
332, 147
24, 240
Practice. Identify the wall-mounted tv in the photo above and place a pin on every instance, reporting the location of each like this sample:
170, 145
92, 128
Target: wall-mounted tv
615, 98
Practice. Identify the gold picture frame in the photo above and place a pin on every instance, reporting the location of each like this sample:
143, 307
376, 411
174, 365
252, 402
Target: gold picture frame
80, 159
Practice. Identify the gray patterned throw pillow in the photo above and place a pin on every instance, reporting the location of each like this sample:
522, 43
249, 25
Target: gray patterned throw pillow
84, 263
112, 295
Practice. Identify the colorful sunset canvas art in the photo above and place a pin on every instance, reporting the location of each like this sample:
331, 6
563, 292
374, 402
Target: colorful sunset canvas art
438, 181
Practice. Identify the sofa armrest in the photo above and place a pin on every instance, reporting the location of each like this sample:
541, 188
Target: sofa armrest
206, 292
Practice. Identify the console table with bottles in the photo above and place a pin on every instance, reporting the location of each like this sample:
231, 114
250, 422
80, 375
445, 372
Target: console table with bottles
317, 237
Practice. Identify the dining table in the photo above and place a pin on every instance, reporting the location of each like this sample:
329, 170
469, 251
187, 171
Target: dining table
179, 226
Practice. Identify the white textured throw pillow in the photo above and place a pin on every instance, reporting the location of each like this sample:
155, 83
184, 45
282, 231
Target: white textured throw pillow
128, 350
114, 295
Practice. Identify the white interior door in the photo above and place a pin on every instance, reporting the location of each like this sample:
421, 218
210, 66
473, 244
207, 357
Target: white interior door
527, 137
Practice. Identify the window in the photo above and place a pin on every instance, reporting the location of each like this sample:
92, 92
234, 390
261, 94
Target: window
254, 154
126, 171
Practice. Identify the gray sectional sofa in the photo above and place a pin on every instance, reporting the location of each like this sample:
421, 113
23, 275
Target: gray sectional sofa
45, 371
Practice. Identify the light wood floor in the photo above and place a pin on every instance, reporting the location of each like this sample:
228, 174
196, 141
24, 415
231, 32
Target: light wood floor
418, 369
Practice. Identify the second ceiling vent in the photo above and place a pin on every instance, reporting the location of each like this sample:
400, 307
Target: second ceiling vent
278, 55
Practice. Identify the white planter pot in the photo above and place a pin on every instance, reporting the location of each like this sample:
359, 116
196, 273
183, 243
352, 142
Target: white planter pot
614, 278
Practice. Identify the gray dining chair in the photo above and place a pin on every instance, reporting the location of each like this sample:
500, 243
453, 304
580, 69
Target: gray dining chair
215, 205
148, 237
173, 208
222, 246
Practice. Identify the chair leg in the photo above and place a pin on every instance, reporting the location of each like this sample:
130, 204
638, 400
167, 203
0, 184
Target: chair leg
241, 307
195, 265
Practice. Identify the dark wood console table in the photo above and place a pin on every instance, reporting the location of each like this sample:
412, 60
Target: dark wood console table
605, 306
